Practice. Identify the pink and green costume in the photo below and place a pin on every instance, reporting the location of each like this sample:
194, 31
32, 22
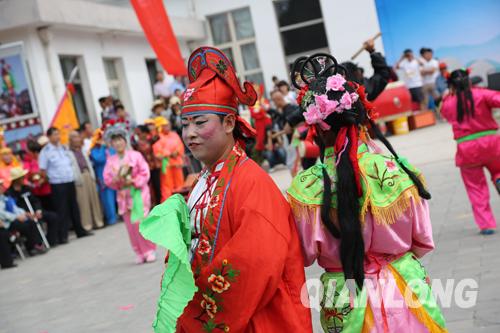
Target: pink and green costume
396, 231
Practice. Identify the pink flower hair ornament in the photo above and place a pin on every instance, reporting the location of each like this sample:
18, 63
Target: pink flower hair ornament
319, 107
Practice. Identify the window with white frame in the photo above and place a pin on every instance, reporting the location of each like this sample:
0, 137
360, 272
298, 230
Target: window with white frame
68, 63
111, 70
301, 27
153, 66
233, 33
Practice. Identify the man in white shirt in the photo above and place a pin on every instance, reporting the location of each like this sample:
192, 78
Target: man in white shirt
161, 88
409, 69
86, 132
430, 71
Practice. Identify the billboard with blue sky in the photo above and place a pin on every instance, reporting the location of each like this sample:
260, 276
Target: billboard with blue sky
463, 33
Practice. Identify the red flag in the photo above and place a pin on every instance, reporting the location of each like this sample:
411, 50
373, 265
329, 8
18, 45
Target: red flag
156, 25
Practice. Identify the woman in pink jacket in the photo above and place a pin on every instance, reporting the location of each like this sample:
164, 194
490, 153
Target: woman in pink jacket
469, 111
127, 172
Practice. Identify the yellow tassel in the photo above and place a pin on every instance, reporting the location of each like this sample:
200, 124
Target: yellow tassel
390, 214
417, 308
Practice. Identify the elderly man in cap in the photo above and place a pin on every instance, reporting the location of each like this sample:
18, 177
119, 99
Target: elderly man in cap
15, 219
22, 194
158, 110
85, 181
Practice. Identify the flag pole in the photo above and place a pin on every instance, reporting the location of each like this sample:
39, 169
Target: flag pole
72, 75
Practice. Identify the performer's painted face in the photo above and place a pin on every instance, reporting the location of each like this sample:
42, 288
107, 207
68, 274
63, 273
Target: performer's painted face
207, 137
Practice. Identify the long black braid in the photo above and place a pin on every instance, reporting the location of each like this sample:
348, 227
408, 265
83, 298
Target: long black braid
313, 71
459, 80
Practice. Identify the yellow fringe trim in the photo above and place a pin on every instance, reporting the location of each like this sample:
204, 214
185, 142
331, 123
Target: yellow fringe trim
368, 322
391, 213
383, 215
417, 310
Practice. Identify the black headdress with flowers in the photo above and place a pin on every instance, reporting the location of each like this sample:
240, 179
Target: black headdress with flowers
330, 103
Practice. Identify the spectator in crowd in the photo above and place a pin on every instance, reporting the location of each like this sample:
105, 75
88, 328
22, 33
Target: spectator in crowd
410, 70
289, 95
107, 110
56, 166
8, 160
175, 114
261, 122
99, 154
441, 81
176, 85
158, 110
275, 82
150, 124
5, 246
145, 147
86, 132
161, 88
276, 145
169, 151
128, 173
18, 191
178, 93
85, 181
15, 219
39, 185
430, 71
381, 72
124, 117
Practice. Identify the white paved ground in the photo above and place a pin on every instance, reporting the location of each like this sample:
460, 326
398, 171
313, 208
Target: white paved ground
92, 285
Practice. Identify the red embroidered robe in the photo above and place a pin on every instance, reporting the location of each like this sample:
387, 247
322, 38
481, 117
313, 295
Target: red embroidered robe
248, 270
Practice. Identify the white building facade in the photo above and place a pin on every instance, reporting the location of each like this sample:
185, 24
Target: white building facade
104, 40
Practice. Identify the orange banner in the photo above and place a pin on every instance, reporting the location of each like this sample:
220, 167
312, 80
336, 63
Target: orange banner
156, 25
65, 118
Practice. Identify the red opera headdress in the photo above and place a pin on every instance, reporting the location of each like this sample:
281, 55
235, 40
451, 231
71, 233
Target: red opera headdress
214, 88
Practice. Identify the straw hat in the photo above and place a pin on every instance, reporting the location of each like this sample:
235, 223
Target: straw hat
157, 102
43, 140
174, 100
160, 121
5, 150
17, 172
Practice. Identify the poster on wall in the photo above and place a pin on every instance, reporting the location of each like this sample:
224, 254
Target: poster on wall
16, 96
462, 33
18, 113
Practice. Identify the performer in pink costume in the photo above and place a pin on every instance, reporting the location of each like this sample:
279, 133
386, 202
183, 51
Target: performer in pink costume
128, 173
469, 111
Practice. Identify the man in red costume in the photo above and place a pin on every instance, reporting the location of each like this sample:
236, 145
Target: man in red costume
246, 255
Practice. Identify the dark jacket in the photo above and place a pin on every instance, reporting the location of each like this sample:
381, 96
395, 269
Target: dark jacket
381, 73
20, 202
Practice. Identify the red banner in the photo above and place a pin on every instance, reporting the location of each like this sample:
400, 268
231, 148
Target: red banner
156, 25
